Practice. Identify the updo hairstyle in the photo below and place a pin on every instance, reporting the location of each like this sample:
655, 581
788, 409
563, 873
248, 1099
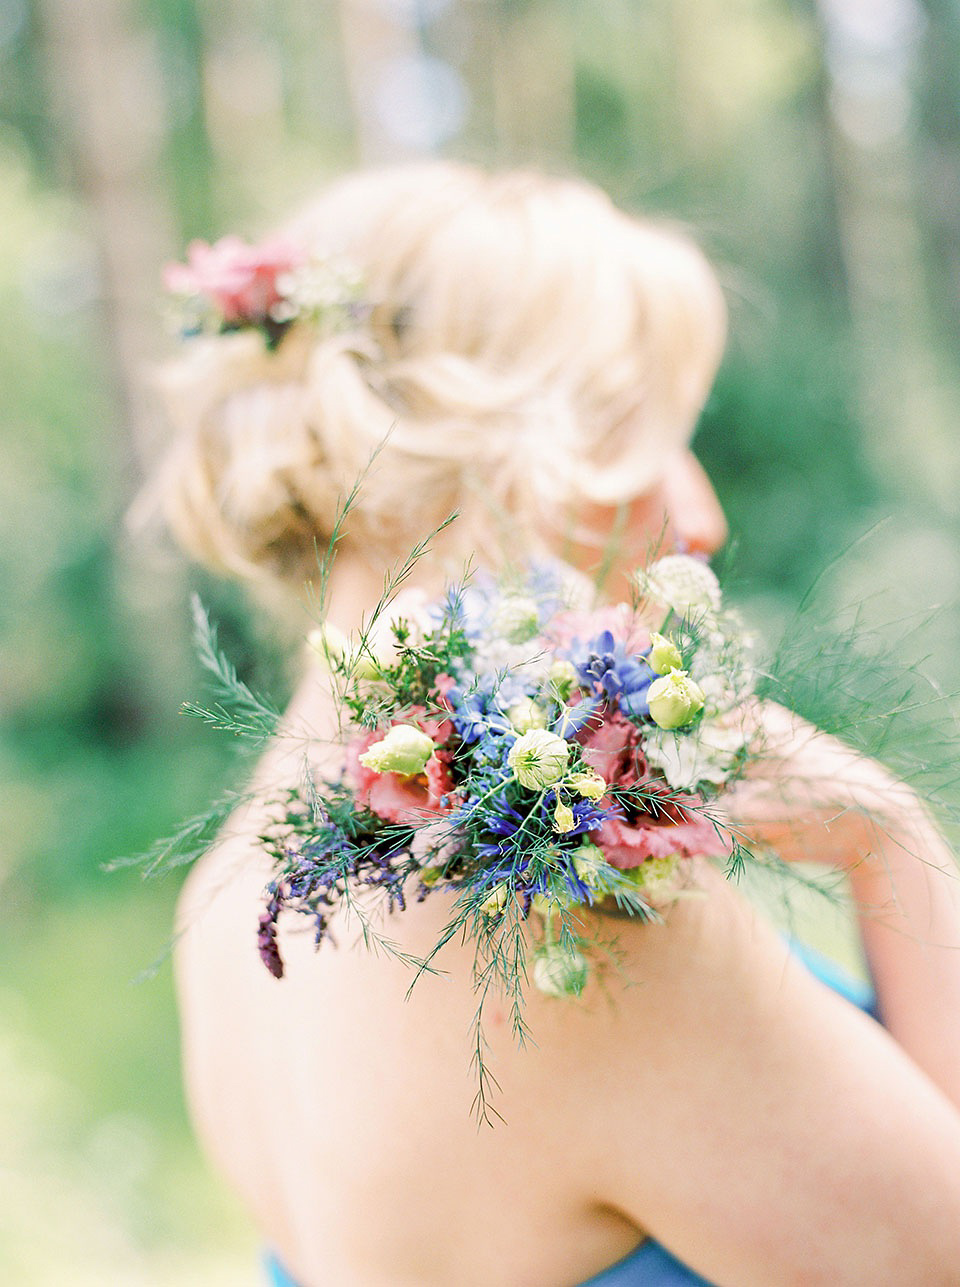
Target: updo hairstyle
530, 349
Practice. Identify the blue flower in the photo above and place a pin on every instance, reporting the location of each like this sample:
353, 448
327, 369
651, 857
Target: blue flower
464, 606
612, 673
476, 714
572, 719
473, 605
500, 819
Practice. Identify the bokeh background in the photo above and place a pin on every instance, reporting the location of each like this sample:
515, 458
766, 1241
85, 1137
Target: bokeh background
813, 147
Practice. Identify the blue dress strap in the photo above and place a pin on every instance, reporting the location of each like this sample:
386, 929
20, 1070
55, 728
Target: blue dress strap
860, 993
649, 1266
276, 1275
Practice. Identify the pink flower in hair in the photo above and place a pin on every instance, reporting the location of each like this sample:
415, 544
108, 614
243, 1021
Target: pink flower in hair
238, 281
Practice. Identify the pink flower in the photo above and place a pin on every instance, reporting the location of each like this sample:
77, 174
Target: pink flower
443, 683
437, 727
653, 828
619, 618
628, 844
397, 798
612, 747
238, 280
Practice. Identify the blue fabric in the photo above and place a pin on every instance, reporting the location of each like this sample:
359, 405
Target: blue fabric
276, 1275
649, 1266
652, 1265
835, 977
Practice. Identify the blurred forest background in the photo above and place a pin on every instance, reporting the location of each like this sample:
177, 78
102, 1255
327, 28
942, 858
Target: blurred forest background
814, 148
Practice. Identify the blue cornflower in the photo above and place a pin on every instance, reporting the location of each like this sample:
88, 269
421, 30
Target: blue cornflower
611, 672
466, 607
502, 820
573, 719
579, 890
545, 581
494, 745
476, 713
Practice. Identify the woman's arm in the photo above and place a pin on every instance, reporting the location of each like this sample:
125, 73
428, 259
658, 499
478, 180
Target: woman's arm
761, 1127
907, 893
813, 799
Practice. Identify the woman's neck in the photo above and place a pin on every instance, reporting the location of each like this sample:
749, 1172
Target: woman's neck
357, 582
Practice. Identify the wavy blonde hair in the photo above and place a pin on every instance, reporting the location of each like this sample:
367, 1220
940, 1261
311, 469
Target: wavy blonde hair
531, 349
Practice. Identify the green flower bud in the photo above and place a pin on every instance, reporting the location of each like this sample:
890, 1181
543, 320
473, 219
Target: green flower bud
404, 750
362, 666
658, 876
563, 678
674, 700
329, 643
527, 714
588, 783
338, 652
664, 655
495, 901
517, 618
538, 759
563, 819
547, 905
587, 863
559, 971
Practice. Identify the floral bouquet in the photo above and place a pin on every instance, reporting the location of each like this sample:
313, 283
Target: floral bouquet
527, 753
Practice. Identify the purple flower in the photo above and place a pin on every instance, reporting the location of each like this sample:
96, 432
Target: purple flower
267, 936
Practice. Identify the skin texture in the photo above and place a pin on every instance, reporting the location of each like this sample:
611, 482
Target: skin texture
705, 1090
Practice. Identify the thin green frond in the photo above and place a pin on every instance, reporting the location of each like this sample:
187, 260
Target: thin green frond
188, 842
317, 590
239, 709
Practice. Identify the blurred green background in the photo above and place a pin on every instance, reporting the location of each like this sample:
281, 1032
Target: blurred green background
814, 149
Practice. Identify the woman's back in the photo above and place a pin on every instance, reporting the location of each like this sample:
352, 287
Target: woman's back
705, 1090
357, 1100
358, 1150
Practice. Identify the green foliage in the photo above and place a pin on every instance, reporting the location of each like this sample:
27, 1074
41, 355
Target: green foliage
248, 715
781, 441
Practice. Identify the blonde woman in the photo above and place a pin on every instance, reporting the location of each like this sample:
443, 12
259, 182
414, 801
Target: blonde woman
713, 1112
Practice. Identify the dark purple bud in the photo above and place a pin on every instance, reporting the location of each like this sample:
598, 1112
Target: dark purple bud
267, 938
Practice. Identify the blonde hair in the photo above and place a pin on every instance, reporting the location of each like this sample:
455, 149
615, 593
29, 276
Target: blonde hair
531, 348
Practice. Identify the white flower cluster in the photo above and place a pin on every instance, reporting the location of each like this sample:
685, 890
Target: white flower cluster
707, 755
324, 290
720, 672
682, 583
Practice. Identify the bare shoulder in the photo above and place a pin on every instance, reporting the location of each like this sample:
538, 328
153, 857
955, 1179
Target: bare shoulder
752, 1120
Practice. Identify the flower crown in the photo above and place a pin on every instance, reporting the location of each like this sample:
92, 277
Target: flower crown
234, 286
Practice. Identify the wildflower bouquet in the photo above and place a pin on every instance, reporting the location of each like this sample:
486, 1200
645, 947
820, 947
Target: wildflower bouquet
527, 752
